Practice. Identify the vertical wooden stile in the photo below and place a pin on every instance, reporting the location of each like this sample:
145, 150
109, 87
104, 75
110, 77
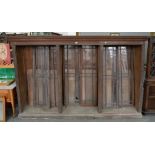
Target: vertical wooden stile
100, 79
33, 75
59, 70
47, 77
18, 87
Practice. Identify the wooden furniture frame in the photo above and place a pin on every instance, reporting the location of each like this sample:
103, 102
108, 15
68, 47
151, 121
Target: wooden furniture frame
8, 92
149, 86
23, 58
3, 100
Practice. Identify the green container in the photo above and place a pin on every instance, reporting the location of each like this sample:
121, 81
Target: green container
7, 73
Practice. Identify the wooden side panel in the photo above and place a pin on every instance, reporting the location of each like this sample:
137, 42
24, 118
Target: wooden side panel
138, 75
16, 63
23, 61
30, 86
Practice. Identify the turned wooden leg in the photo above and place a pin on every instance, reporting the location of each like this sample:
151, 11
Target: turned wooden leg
12, 103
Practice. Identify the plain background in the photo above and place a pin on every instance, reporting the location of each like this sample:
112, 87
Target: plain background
72, 16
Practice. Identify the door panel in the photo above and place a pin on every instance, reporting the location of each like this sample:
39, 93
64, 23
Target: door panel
88, 75
70, 75
80, 75
53, 77
91, 76
45, 76
117, 76
40, 71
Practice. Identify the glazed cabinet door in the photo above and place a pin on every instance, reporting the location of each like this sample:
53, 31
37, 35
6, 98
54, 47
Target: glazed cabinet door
71, 80
80, 75
47, 76
88, 76
115, 77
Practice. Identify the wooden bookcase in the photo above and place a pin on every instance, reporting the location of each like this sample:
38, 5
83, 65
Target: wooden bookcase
54, 71
149, 86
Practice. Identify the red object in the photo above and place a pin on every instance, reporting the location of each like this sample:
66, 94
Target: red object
5, 58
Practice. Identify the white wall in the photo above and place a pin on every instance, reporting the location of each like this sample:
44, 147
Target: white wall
67, 33
121, 33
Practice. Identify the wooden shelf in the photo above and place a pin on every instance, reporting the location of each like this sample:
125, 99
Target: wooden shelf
151, 97
7, 66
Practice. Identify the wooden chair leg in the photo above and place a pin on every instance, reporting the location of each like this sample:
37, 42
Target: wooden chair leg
4, 111
4, 101
12, 103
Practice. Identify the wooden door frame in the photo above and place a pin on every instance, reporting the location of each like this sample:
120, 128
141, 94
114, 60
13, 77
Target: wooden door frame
70, 40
